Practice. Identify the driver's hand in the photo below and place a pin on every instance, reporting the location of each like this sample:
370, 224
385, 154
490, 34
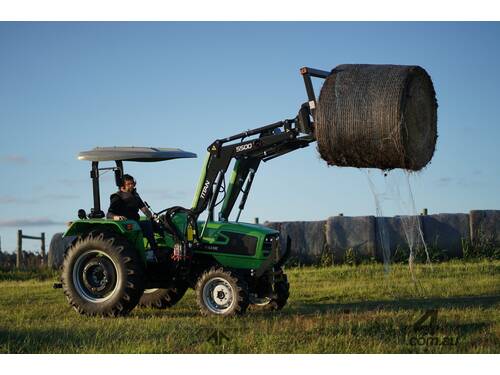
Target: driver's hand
121, 218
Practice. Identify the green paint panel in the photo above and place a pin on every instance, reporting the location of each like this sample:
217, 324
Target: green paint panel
201, 181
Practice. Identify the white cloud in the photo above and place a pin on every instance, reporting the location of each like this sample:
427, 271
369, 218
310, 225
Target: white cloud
42, 221
13, 159
8, 199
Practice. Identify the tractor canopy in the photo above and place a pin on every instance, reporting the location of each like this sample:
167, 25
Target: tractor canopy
138, 154
119, 155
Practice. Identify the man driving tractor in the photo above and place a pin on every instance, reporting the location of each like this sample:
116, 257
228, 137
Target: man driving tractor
125, 205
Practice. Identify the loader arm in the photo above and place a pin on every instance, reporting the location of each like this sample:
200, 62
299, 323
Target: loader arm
244, 170
267, 143
249, 149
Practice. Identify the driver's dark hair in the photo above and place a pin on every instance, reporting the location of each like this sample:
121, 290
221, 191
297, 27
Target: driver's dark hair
127, 177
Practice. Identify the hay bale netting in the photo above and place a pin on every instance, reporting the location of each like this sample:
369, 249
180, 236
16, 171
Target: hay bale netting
394, 235
377, 116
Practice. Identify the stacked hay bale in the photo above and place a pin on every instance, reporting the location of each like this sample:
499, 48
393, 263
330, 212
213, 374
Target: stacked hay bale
356, 234
485, 224
377, 116
308, 239
446, 232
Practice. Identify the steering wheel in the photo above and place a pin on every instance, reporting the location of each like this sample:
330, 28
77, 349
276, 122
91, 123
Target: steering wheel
167, 220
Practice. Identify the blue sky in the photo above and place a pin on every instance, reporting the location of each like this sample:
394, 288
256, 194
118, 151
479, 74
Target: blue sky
68, 87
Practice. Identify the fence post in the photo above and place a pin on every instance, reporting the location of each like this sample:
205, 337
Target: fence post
19, 248
42, 237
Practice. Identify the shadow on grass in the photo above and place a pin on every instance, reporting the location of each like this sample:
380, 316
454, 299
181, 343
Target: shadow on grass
40, 340
390, 305
88, 340
312, 308
151, 313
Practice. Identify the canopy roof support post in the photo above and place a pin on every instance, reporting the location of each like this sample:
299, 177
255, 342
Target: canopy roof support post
96, 212
119, 173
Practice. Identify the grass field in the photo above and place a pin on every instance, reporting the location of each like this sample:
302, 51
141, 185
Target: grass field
342, 309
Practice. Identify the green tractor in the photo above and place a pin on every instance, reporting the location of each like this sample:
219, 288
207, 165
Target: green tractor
106, 269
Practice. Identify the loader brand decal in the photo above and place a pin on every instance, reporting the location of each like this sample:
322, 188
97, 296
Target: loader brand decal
205, 189
241, 148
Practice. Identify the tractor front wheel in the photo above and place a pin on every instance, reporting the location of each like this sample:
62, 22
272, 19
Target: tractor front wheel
281, 293
103, 275
221, 292
279, 297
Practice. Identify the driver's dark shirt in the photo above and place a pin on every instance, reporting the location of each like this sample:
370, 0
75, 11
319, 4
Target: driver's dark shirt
125, 204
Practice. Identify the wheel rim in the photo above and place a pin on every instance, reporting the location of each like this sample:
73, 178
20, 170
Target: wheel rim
96, 276
218, 295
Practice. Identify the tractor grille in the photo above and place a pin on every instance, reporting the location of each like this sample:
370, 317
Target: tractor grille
239, 243
271, 242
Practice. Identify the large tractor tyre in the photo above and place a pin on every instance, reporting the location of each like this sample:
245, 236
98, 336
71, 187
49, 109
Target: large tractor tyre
221, 292
103, 275
162, 298
281, 292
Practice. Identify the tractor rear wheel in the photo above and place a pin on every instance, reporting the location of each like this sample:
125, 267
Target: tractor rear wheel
103, 275
221, 292
162, 298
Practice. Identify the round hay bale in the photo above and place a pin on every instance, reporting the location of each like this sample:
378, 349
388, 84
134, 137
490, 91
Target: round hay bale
56, 251
377, 116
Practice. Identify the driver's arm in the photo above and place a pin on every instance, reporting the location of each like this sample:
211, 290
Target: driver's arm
146, 211
142, 206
